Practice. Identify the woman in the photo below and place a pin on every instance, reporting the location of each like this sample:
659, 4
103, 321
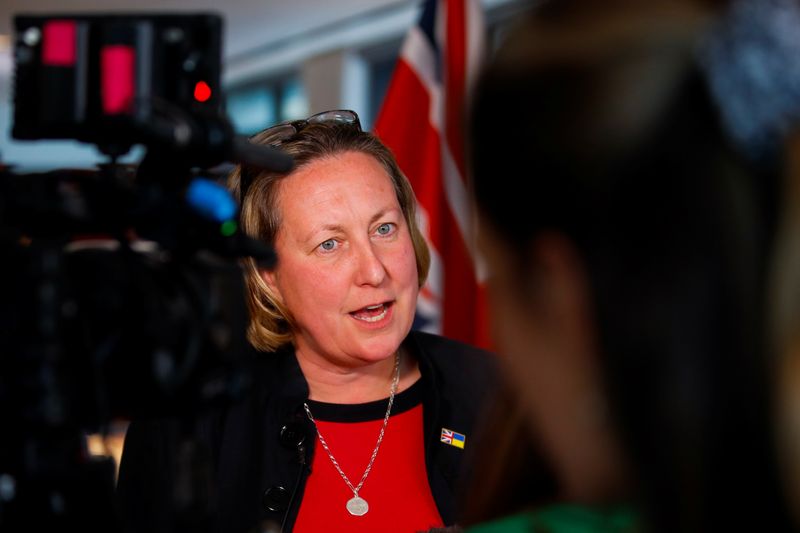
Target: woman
626, 238
354, 421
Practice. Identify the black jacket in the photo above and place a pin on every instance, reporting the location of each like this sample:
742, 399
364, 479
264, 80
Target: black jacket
247, 464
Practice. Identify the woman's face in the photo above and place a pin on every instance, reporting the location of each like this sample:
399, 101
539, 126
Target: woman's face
346, 266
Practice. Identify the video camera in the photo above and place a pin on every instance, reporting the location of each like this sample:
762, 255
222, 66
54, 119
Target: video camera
123, 293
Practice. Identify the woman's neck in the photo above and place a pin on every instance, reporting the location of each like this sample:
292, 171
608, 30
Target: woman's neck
334, 384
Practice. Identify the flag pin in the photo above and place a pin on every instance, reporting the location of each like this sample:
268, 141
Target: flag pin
453, 438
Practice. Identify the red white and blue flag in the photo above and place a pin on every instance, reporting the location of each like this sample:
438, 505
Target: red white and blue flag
422, 120
453, 438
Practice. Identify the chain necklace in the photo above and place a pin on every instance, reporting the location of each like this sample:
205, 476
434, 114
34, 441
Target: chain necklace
356, 505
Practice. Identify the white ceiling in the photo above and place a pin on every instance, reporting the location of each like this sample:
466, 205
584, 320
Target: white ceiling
248, 23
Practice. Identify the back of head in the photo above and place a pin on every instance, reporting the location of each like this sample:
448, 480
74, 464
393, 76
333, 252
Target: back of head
595, 121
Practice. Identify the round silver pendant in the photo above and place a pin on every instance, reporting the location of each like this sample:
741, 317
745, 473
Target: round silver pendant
357, 506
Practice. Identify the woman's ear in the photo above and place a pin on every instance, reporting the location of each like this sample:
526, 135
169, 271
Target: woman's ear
560, 282
270, 277
540, 289
560, 372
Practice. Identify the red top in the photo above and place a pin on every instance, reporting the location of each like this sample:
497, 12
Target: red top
396, 488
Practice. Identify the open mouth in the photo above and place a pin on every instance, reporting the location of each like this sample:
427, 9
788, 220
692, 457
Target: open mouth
372, 313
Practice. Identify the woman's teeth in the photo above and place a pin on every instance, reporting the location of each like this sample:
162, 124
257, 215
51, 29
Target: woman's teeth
368, 314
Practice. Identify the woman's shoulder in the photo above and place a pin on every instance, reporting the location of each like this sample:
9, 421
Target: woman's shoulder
441, 346
454, 361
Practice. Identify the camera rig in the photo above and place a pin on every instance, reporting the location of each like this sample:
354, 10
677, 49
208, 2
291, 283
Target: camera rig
123, 291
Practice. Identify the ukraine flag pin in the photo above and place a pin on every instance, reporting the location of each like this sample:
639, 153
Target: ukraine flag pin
453, 438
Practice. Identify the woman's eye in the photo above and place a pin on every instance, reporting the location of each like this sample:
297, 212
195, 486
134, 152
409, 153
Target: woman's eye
328, 245
385, 229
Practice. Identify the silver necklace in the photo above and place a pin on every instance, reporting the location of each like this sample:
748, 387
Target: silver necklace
356, 505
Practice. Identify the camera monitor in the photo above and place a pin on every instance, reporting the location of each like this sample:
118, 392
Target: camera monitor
101, 78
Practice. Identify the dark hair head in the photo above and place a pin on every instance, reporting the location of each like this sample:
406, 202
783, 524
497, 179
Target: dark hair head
597, 123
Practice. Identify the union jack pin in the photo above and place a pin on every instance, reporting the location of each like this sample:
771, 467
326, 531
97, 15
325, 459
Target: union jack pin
453, 438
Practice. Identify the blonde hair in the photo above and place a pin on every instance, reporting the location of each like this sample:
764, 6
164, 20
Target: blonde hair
271, 323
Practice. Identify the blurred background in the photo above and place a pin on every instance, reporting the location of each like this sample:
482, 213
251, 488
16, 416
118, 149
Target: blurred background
283, 59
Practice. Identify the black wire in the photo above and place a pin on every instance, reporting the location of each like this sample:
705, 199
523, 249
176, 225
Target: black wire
301, 456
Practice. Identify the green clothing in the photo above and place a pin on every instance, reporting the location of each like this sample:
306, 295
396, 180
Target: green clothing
564, 519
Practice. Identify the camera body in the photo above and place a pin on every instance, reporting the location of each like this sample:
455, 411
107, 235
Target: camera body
135, 274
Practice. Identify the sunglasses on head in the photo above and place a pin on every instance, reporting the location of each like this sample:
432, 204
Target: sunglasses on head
284, 131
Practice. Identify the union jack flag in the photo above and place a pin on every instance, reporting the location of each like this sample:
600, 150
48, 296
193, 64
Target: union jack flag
453, 438
422, 121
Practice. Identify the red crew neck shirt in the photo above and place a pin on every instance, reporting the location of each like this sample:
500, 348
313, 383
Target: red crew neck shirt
396, 489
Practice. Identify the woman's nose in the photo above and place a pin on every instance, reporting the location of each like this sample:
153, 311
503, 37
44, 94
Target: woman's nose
370, 268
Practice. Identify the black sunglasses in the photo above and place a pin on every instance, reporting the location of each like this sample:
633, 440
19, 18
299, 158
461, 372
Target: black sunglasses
284, 131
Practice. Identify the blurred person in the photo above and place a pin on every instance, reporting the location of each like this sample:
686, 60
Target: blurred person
627, 233
509, 472
785, 295
355, 422
754, 71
